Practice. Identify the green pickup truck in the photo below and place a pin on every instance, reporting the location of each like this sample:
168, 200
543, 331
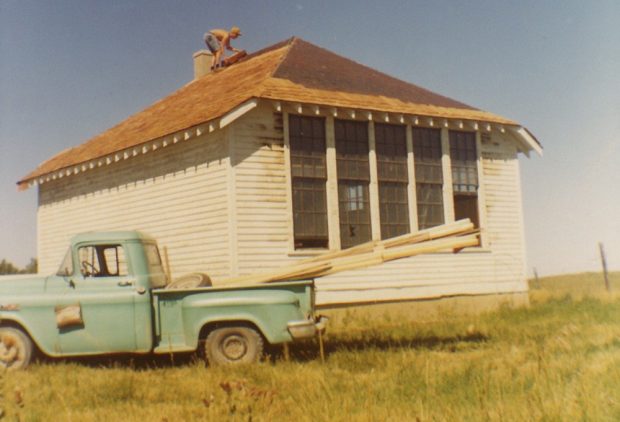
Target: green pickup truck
111, 295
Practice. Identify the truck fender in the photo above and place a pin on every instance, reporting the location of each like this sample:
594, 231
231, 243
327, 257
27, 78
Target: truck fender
18, 324
208, 324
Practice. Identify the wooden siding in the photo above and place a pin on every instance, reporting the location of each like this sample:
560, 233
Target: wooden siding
262, 214
221, 204
264, 226
177, 194
494, 269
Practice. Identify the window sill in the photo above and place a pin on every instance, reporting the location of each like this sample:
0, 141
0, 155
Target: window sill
468, 250
318, 252
309, 252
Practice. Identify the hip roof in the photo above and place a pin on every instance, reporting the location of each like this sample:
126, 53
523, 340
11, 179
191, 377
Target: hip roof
290, 71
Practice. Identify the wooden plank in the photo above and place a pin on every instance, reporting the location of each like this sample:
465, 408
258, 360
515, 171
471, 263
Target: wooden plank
326, 299
234, 58
379, 257
421, 236
371, 253
287, 273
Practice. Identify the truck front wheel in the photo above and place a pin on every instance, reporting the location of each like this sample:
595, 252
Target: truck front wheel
15, 348
233, 345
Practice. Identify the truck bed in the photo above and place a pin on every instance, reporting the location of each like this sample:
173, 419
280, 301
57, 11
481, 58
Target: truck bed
180, 313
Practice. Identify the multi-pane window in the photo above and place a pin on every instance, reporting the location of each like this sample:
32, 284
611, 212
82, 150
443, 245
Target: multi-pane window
307, 141
391, 148
353, 180
428, 176
464, 159
308, 175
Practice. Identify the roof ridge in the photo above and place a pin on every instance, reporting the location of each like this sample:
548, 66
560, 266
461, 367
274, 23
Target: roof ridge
289, 44
264, 50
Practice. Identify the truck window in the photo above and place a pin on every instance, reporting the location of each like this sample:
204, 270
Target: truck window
115, 260
152, 255
155, 267
102, 261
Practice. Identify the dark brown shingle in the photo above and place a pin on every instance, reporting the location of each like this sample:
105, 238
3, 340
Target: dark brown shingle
315, 67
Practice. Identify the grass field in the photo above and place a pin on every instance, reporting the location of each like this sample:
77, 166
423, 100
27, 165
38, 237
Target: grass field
558, 360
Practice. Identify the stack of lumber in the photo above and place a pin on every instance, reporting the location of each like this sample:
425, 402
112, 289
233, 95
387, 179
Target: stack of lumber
453, 236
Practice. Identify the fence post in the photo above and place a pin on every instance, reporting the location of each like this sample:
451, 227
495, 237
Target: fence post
536, 280
604, 262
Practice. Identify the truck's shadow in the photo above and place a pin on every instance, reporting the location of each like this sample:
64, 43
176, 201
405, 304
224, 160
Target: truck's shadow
310, 350
304, 351
128, 361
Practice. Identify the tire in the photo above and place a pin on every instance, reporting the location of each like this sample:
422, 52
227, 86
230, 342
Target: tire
15, 349
233, 346
190, 281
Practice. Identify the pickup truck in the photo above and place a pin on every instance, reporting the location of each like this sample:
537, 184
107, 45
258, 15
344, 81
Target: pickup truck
112, 295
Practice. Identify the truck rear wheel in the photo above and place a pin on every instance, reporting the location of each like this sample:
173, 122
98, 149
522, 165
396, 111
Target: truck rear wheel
233, 345
15, 348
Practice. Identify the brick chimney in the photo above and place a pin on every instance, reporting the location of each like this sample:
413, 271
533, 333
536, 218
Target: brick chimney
202, 63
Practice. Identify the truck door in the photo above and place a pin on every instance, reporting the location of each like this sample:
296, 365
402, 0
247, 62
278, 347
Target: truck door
99, 303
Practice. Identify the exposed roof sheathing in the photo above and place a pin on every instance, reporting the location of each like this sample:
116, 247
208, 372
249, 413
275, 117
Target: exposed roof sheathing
293, 70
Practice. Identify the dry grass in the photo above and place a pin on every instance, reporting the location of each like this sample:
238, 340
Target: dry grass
558, 360
576, 286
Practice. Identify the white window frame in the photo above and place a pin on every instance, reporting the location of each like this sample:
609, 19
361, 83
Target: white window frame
332, 184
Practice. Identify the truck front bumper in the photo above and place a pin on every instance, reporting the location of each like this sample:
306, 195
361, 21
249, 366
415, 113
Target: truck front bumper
307, 328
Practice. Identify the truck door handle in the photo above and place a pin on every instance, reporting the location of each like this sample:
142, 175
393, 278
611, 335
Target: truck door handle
125, 283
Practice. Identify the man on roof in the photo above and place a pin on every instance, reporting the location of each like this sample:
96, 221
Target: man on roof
218, 40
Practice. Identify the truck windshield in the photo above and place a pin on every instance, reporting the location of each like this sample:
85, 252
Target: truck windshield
66, 266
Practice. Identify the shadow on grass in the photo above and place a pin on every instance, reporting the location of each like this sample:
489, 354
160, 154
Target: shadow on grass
303, 351
310, 349
127, 361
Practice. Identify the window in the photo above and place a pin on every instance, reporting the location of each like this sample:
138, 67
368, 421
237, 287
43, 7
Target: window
155, 266
308, 176
353, 179
464, 159
102, 261
153, 258
428, 176
391, 147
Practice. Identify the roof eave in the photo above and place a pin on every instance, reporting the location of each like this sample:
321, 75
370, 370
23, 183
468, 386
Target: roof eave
185, 134
527, 139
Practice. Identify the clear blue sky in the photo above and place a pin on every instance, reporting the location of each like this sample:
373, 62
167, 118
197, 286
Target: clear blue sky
70, 69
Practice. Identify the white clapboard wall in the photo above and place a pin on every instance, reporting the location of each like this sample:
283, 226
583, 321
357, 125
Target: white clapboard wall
220, 203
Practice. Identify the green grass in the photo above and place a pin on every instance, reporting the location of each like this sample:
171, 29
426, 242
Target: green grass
558, 360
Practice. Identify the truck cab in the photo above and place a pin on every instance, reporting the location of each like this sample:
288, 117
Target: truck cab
109, 296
